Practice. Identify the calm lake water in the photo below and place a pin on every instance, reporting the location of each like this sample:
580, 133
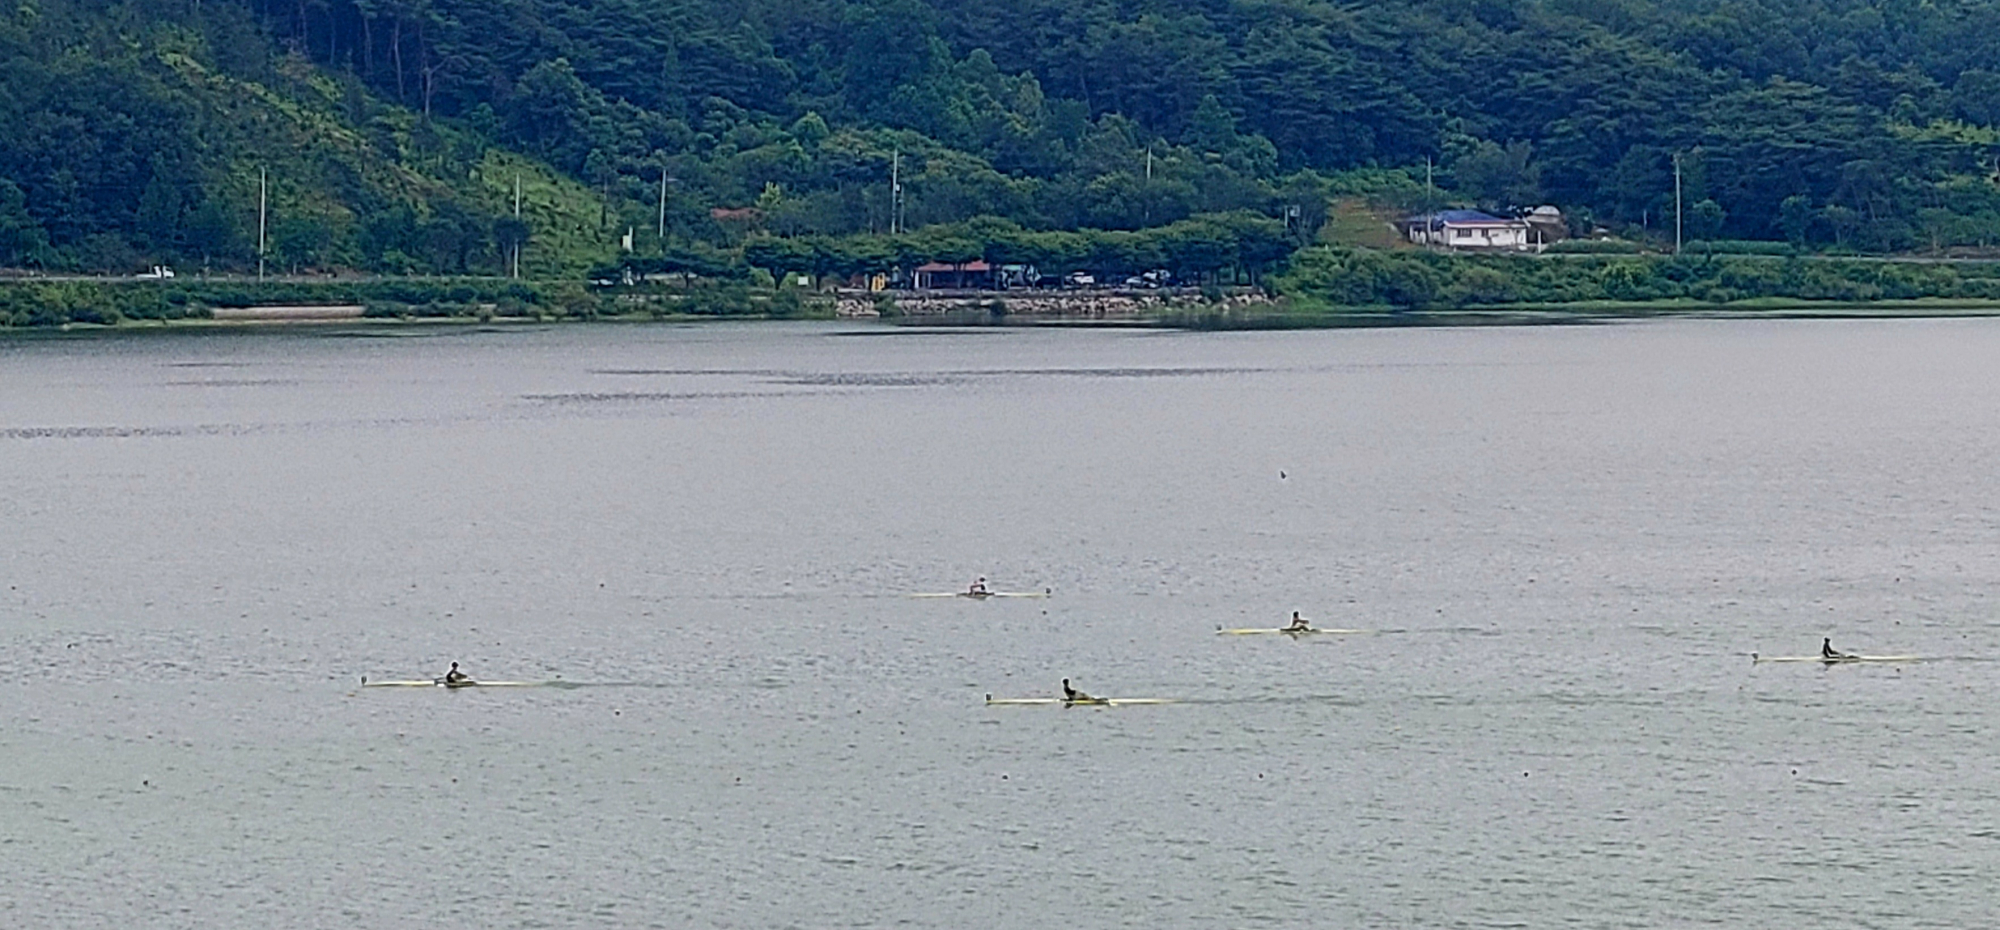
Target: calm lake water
1567, 539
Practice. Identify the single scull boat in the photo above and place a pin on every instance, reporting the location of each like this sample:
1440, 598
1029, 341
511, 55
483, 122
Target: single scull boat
982, 595
1089, 701
1247, 631
1834, 659
441, 683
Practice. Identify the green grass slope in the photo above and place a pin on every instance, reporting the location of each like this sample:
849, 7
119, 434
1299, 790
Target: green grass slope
138, 136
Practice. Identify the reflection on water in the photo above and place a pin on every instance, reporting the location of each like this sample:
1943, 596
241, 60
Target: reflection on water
1567, 541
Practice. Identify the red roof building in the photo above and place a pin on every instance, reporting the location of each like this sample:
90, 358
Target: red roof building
941, 276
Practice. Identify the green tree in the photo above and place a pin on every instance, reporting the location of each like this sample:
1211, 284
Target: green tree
1844, 222
1975, 97
1795, 216
1705, 220
213, 234
1194, 250
1262, 244
22, 240
1500, 177
453, 236
1212, 128
889, 44
511, 235
550, 112
301, 242
779, 256
160, 208
810, 130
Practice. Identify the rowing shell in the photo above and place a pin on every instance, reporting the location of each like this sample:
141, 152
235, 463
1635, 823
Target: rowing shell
1085, 702
1253, 631
441, 683
982, 595
1834, 660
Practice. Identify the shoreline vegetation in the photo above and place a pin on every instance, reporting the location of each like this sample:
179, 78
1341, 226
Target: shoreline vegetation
1274, 154
29, 303
1572, 314
1323, 287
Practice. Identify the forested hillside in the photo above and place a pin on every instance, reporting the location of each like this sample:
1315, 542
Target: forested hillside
137, 129
137, 134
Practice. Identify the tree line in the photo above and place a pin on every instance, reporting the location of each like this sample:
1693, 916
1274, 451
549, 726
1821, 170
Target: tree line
1336, 278
1862, 115
136, 126
1211, 248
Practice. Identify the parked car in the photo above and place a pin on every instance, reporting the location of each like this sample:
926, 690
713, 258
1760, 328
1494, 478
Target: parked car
1158, 277
1080, 279
157, 272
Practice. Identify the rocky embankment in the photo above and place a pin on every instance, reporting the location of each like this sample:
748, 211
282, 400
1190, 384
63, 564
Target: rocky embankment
1076, 305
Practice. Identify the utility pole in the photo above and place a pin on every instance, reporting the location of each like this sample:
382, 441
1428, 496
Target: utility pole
517, 215
896, 191
1146, 212
663, 203
1677, 203
1430, 205
263, 187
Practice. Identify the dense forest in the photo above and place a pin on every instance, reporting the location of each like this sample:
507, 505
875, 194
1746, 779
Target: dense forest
392, 134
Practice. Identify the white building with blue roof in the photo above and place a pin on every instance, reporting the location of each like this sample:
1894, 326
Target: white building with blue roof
1473, 230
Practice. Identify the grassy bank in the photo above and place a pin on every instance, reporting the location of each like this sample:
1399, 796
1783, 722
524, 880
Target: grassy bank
1289, 315
29, 304
1331, 278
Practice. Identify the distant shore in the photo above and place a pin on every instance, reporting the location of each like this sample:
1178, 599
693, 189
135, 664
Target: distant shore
1531, 314
69, 306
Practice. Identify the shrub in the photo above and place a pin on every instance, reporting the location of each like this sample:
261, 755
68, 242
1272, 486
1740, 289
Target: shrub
1738, 247
1596, 247
786, 304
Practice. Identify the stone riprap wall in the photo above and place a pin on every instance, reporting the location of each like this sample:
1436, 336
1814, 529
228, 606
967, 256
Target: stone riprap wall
1105, 305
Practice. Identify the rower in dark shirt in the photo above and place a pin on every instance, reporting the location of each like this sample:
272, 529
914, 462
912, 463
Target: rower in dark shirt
455, 676
1071, 694
1826, 650
1299, 624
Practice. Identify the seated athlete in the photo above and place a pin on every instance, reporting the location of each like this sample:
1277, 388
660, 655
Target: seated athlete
1071, 694
455, 676
1826, 650
978, 587
1298, 623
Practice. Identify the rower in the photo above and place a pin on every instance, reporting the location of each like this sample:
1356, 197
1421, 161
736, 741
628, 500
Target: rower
1071, 694
455, 676
978, 587
1299, 624
1826, 650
